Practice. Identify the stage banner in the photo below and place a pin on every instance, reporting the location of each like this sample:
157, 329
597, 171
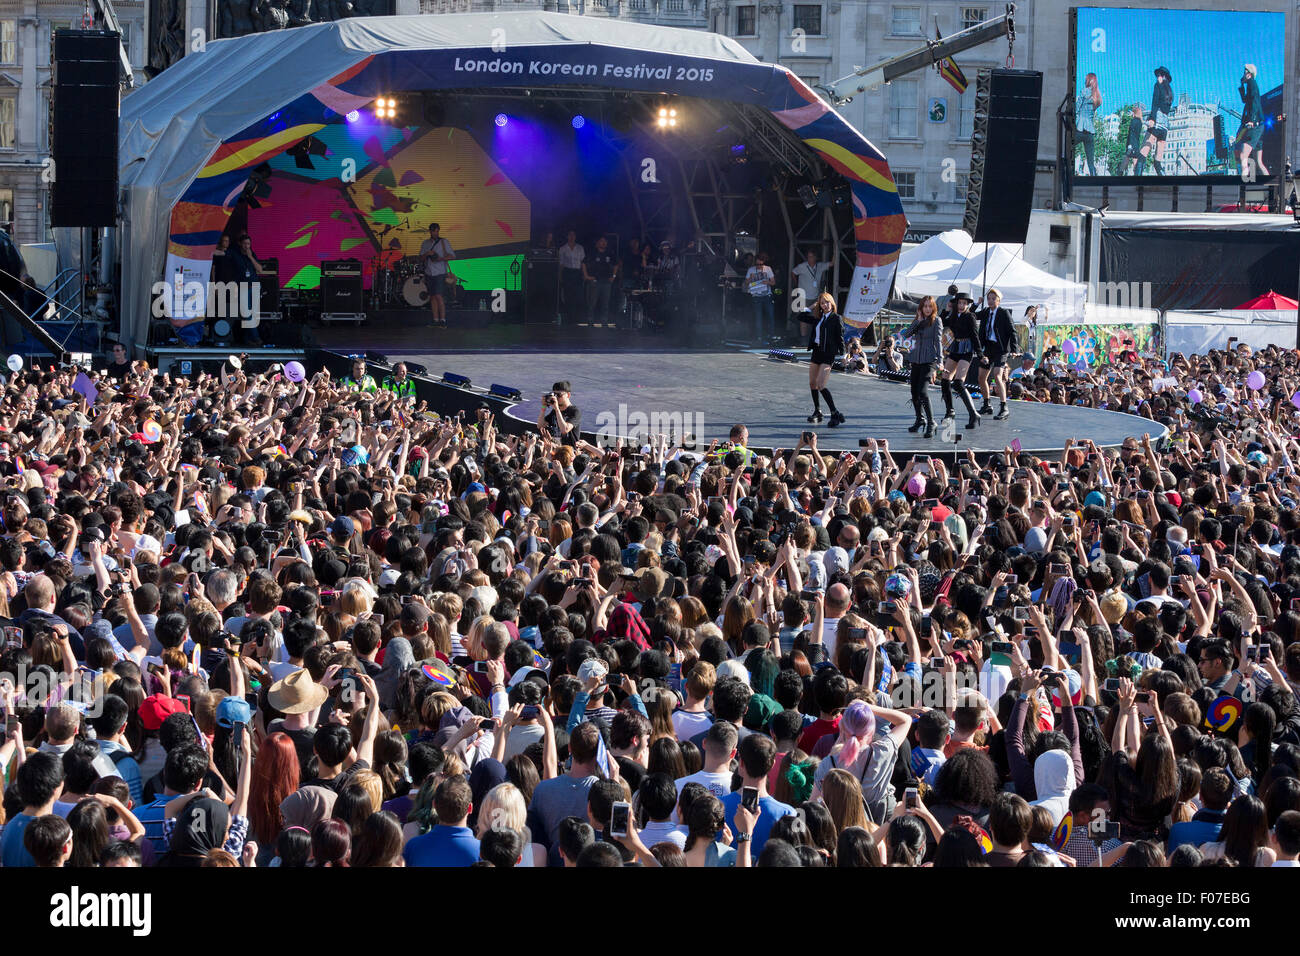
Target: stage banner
866, 296
184, 294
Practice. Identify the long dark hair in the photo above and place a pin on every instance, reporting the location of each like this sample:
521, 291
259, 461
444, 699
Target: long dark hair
1245, 830
920, 310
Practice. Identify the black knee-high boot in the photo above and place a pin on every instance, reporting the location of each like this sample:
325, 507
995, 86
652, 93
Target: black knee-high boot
830, 402
946, 387
929, 415
918, 392
817, 401
964, 395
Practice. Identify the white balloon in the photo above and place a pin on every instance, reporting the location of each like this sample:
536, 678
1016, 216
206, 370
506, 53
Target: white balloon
15, 363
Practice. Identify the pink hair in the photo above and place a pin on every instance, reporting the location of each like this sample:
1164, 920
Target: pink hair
857, 724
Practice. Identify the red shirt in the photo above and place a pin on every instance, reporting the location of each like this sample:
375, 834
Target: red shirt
816, 730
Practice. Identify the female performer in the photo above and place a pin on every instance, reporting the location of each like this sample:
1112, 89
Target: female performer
1085, 113
826, 342
1252, 121
1162, 107
926, 334
963, 349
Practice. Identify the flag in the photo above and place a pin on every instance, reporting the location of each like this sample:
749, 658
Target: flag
949, 69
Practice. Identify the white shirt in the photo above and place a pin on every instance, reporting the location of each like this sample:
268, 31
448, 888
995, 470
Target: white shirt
718, 784
758, 274
829, 627
441, 247
688, 723
667, 832
572, 257
810, 280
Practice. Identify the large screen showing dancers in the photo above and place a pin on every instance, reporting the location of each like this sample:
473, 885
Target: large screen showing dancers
1177, 93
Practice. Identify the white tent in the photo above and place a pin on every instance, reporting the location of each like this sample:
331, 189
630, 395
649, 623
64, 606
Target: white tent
951, 258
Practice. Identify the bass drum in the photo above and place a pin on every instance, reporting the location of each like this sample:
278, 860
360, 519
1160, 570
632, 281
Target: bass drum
414, 292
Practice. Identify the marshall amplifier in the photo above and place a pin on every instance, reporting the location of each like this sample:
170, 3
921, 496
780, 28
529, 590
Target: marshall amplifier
341, 286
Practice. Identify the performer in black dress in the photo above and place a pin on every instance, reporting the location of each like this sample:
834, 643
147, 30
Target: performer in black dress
826, 342
962, 350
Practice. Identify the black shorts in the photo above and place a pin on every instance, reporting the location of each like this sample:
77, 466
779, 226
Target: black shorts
960, 351
1159, 133
822, 358
996, 357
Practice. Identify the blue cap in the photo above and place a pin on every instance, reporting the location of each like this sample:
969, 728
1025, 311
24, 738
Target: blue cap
1095, 498
233, 710
342, 527
356, 455
476, 486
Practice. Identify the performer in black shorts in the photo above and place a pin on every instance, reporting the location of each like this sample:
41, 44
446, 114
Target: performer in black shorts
826, 342
997, 338
962, 350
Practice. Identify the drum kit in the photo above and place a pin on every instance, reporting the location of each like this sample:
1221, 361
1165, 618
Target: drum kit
400, 282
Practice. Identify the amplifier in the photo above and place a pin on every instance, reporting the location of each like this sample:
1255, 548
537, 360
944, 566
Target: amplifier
270, 283
340, 286
341, 269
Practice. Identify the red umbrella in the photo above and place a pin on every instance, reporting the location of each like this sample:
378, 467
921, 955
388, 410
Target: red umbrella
1270, 301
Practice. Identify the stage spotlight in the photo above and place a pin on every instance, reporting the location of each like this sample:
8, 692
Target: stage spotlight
579, 121
667, 118
353, 116
506, 392
808, 194
783, 355
385, 108
415, 369
222, 333
303, 150
502, 119
451, 378
377, 358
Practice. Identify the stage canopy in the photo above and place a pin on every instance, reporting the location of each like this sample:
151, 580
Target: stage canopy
191, 138
951, 258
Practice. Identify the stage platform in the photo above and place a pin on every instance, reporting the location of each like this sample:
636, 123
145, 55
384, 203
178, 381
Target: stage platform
705, 393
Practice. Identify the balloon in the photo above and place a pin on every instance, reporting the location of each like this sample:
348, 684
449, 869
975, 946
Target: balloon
294, 371
234, 362
1255, 380
15, 363
151, 431
916, 486
1069, 347
1295, 399
1194, 396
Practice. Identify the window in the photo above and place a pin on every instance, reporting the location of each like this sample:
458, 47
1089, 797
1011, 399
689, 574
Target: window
960, 186
973, 16
8, 41
808, 18
902, 109
966, 113
7, 103
906, 21
747, 21
906, 183
811, 81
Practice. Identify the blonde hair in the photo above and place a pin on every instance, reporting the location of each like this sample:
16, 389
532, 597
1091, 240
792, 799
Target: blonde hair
827, 297
373, 784
502, 808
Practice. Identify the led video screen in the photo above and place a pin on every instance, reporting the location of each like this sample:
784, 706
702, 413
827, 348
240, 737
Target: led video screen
1177, 93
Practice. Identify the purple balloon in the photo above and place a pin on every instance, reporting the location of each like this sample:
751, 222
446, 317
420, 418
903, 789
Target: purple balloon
1255, 380
1295, 399
1194, 396
1068, 347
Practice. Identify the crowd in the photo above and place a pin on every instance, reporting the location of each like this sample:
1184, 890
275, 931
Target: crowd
286, 620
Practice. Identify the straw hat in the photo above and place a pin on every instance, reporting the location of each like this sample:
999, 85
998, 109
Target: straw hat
296, 694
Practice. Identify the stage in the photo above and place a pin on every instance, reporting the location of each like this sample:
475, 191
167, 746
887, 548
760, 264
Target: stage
704, 393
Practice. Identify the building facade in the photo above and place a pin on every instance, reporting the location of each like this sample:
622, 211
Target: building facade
26, 29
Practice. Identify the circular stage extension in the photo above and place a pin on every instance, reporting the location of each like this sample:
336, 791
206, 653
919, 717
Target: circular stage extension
705, 393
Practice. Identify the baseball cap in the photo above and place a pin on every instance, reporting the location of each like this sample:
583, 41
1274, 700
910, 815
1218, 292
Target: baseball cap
233, 710
342, 527
594, 667
157, 708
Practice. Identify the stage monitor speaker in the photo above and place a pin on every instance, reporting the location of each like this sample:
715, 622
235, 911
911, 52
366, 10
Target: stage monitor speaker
341, 286
83, 128
1004, 154
541, 290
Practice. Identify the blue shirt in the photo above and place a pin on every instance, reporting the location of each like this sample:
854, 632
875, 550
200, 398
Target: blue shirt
126, 768
442, 846
151, 818
772, 810
1202, 828
12, 851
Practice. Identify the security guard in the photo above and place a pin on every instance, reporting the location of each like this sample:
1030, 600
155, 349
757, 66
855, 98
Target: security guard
399, 383
359, 381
